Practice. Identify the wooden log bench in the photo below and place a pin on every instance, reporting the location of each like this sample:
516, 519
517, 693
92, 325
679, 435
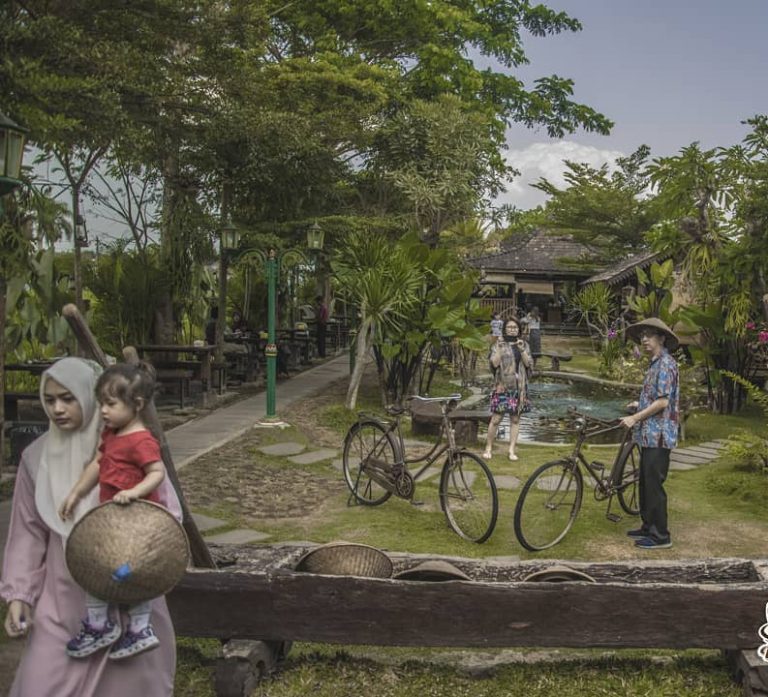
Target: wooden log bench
426, 420
706, 603
554, 358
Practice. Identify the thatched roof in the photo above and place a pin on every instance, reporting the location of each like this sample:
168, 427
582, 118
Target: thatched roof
538, 252
625, 270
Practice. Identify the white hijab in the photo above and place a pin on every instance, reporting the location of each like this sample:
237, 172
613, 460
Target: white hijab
66, 453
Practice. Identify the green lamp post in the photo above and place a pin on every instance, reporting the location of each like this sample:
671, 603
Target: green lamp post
12, 139
272, 261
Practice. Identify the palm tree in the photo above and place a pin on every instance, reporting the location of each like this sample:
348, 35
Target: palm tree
379, 279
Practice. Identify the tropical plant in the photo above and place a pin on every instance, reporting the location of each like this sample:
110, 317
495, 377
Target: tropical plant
751, 447
656, 297
595, 306
127, 287
410, 298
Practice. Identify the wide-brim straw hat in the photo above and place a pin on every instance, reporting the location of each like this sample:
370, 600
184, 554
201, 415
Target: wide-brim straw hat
634, 331
433, 570
127, 553
346, 559
558, 574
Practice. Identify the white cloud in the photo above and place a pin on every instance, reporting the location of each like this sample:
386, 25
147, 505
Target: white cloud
547, 160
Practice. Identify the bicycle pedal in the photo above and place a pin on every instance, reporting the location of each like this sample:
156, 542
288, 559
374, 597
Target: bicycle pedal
613, 517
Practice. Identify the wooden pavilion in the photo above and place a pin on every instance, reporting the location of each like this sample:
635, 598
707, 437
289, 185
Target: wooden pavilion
536, 269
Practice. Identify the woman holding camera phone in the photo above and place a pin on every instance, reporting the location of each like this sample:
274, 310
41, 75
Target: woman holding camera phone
510, 359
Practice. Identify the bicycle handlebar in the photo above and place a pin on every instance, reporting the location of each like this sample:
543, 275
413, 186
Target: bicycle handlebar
612, 423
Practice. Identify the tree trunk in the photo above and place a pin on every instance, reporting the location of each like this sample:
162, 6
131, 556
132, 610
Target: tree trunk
78, 254
357, 374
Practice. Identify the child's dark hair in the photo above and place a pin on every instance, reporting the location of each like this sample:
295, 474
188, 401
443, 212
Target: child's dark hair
129, 383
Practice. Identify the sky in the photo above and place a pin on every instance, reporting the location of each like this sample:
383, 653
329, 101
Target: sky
667, 72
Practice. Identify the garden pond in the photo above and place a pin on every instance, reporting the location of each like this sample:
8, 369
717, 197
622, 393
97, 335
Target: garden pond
549, 422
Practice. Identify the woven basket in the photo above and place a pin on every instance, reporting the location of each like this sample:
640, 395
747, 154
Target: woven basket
127, 554
558, 574
433, 570
346, 559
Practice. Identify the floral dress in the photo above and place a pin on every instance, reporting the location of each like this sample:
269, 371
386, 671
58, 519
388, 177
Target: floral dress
510, 394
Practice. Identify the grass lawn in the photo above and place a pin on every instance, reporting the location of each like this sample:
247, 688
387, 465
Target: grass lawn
717, 510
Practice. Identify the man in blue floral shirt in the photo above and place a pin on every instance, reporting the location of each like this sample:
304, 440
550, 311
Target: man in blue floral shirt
655, 427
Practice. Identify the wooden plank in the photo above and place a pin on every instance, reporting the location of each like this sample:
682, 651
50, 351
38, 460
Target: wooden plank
201, 555
284, 605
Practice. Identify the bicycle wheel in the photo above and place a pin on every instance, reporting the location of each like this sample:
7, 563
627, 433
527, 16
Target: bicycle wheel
548, 505
367, 439
468, 497
628, 476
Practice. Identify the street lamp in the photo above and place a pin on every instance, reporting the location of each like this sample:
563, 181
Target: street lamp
272, 260
230, 237
315, 237
12, 139
81, 232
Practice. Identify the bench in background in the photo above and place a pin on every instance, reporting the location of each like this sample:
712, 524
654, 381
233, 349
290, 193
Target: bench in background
426, 420
554, 358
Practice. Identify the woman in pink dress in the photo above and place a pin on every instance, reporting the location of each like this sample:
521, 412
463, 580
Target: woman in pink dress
44, 602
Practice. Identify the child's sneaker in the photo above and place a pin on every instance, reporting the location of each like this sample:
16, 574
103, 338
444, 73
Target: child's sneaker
90, 640
132, 643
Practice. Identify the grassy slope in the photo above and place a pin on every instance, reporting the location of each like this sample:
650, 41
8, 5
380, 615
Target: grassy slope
717, 510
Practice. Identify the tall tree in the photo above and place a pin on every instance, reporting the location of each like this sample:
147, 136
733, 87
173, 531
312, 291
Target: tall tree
607, 210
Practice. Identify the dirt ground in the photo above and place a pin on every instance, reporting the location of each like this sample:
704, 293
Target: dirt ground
257, 490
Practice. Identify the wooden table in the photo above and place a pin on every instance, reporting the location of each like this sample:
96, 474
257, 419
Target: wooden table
254, 345
34, 367
202, 354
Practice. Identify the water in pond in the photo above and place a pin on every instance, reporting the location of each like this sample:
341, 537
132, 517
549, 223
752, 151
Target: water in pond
548, 422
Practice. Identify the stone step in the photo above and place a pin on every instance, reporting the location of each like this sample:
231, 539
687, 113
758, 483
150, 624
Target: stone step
205, 523
705, 452
715, 444
282, 449
681, 466
688, 458
428, 474
314, 456
506, 481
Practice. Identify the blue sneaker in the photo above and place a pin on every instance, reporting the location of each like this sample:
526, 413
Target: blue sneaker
132, 643
90, 640
637, 534
653, 543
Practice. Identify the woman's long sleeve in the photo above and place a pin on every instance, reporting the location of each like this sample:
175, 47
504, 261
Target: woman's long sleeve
526, 357
25, 550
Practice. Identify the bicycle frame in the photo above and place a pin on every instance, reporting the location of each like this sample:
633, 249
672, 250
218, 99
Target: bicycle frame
606, 486
445, 443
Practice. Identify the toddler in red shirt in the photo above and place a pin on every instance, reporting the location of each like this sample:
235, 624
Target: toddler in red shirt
128, 466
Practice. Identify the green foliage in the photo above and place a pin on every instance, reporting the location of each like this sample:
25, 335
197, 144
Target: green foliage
751, 447
410, 297
656, 299
442, 159
34, 307
594, 305
602, 209
127, 287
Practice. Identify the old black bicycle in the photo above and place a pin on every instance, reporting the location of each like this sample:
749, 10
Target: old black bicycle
375, 467
551, 498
